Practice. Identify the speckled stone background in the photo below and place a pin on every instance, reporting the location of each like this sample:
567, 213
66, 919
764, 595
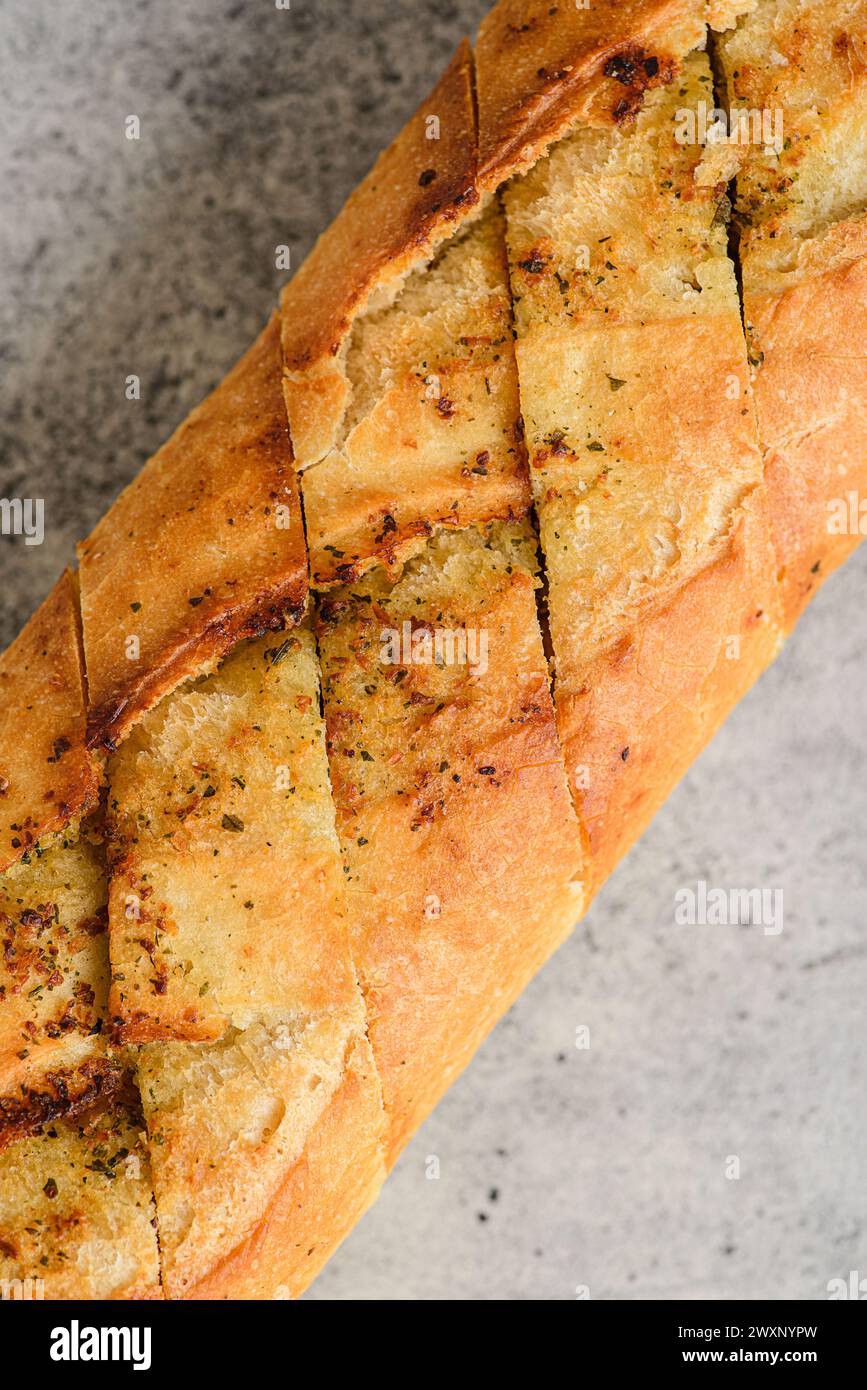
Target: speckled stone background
559, 1167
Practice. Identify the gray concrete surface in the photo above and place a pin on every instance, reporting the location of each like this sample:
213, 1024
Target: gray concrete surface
560, 1168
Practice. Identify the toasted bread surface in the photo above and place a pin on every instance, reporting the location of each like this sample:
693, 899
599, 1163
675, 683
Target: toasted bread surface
643, 451
229, 1122
225, 888
432, 437
542, 68
463, 855
324, 1193
53, 971
76, 1209
811, 393
47, 776
796, 79
801, 202
317, 914
204, 548
536, 69
638, 713
418, 191
231, 963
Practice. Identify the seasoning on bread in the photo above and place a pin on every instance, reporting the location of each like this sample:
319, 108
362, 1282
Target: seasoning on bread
796, 79
309, 936
231, 961
224, 904
47, 777
432, 437
53, 982
204, 548
76, 1208
643, 455
463, 855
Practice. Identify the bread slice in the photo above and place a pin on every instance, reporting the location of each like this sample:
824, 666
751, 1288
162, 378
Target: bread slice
643, 453
53, 980
53, 944
322, 1196
76, 1208
432, 434
537, 68
462, 851
811, 393
75, 1203
802, 69
803, 242
291, 992
225, 895
204, 548
232, 1127
47, 777
229, 945
416, 194
542, 68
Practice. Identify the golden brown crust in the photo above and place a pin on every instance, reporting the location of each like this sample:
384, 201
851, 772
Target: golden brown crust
76, 1209
802, 69
449, 785
647, 706
415, 195
53, 973
542, 67
655, 579
63, 1093
436, 437
436, 986
271, 1112
47, 776
811, 396
204, 548
323, 1195
226, 883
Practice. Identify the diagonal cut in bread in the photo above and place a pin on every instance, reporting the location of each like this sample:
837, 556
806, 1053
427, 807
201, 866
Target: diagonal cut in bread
446, 774
204, 548
48, 780
643, 456
802, 206
432, 437
76, 1208
309, 936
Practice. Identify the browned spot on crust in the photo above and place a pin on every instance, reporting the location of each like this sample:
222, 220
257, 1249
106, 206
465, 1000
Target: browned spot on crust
62, 1095
637, 71
108, 722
